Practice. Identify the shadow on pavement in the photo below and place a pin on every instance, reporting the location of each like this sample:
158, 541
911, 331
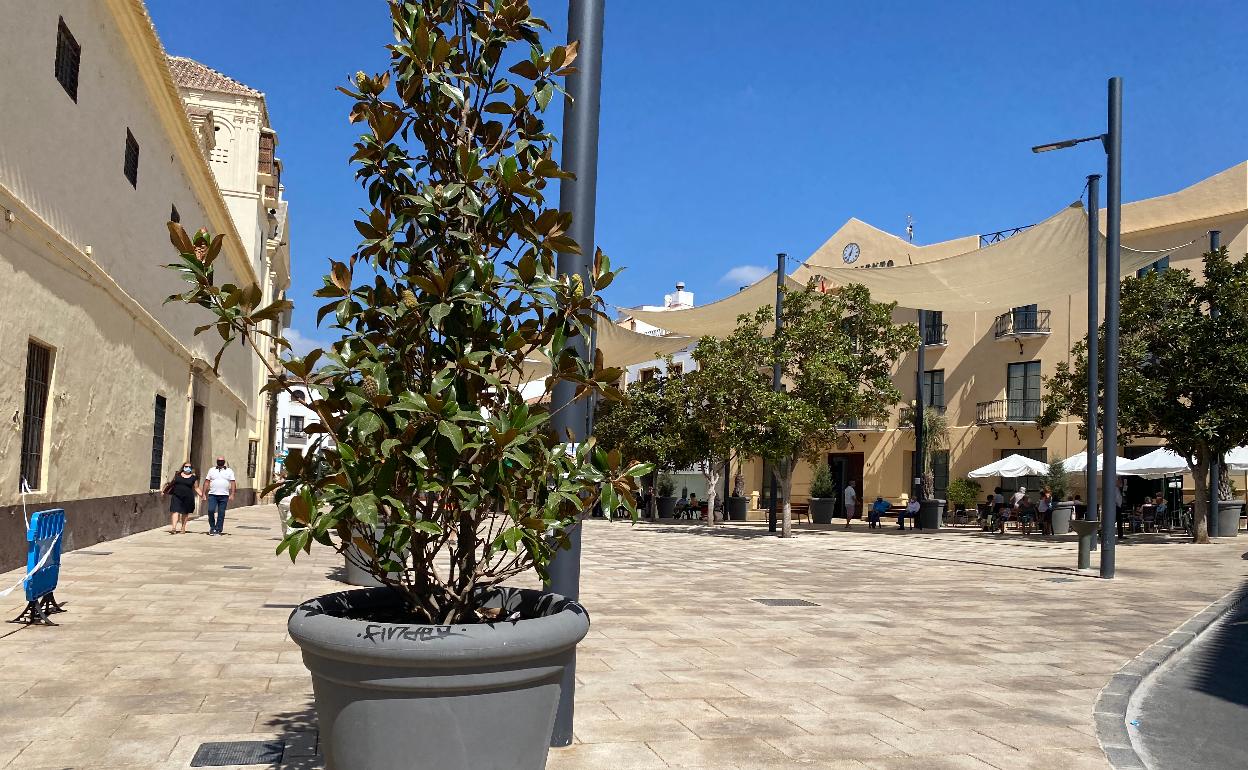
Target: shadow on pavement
1221, 670
298, 730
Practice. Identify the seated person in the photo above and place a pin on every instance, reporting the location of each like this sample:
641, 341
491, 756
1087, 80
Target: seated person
912, 510
1027, 512
1081, 508
1161, 507
878, 509
694, 510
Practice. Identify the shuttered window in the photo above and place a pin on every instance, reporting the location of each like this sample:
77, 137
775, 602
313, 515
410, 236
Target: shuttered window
34, 412
68, 60
158, 444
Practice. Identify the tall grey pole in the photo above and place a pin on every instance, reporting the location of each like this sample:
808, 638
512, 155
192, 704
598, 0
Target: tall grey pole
775, 377
577, 196
1113, 193
1215, 472
1094, 323
920, 409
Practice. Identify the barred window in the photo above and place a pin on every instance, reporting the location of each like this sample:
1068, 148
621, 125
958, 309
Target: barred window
34, 412
253, 450
68, 59
132, 159
158, 444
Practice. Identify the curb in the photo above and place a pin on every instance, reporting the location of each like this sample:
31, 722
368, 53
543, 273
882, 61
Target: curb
1110, 711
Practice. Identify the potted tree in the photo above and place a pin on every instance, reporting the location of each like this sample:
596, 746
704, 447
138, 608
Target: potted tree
935, 438
963, 494
738, 503
822, 495
441, 474
1057, 480
666, 493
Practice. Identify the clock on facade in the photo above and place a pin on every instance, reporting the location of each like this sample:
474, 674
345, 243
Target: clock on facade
850, 254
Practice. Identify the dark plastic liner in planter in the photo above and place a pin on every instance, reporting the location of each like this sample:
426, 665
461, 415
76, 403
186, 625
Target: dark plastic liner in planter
1229, 512
456, 697
822, 509
930, 513
667, 507
737, 508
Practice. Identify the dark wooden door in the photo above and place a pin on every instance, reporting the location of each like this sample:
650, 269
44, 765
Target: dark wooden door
847, 467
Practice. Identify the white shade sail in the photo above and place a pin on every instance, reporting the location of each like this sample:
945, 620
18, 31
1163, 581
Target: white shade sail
1011, 468
1156, 464
718, 319
1237, 459
1079, 463
620, 347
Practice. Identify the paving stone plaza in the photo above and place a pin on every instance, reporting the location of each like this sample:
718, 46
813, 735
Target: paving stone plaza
949, 650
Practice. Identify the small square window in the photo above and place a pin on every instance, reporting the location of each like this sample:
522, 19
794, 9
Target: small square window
132, 159
68, 59
174, 216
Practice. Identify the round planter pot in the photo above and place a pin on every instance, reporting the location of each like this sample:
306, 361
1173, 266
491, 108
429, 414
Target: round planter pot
737, 507
1229, 512
821, 509
930, 512
667, 507
460, 697
1062, 515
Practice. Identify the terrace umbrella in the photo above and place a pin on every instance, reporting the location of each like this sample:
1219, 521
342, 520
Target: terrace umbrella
1237, 459
1079, 463
1156, 464
1011, 467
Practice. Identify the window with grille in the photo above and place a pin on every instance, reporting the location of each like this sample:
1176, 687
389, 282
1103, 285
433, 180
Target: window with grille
158, 444
940, 472
296, 424
934, 388
1022, 391
1026, 318
1033, 483
933, 327
132, 159
174, 216
34, 412
68, 59
253, 450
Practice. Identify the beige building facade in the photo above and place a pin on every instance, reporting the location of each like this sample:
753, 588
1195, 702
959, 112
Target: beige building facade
104, 389
985, 369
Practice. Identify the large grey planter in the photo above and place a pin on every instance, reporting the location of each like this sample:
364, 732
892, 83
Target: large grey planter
1229, 512
737, 508
667, 507
930, 513
1062, 514
821, 509
461, 697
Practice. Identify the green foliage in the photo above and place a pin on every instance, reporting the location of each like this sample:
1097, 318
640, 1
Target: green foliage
821, 485
964, 492
666, 487
1057, 479
1183, 372
935, 438
653, 423
452, 288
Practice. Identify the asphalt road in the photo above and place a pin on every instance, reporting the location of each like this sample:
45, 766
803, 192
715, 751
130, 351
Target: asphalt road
1193, 712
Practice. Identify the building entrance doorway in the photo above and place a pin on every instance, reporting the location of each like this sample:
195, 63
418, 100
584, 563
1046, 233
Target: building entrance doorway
197, 439
846, 467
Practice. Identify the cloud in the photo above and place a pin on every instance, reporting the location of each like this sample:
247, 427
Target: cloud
744, 275
301, 345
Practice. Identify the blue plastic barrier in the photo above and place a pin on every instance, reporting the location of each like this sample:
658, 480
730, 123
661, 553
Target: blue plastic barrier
43, 565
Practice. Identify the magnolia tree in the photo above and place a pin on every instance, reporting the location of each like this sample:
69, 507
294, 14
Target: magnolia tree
836, 352
446, 481
1182, 370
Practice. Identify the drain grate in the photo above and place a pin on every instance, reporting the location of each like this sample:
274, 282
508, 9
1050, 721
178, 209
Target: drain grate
236, 566
273, 606
238, 753
249, 526
1060, 580
785, 602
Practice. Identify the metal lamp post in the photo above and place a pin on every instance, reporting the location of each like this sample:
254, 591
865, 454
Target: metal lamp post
577, 196
772, 514
1112, 142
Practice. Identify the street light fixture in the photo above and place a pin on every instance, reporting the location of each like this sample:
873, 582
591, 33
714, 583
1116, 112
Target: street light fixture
1111, 141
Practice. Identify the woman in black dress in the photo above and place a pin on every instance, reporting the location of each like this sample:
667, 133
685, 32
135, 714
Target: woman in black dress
183, 491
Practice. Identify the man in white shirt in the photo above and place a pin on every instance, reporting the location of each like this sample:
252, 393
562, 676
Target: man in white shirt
218, 490
851, 503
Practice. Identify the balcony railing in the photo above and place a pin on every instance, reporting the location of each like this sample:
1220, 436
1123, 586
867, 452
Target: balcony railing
862, 425
1022, 323
935, 334
905, 418
1018, 410
296, 435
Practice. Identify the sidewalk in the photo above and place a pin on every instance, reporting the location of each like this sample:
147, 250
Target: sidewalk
949, 650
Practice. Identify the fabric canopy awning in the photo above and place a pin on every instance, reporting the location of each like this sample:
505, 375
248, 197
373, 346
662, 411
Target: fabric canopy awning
1079, 463
1043, 262
620, 347
1237, 459
1011, 468
718, 319
1156, 464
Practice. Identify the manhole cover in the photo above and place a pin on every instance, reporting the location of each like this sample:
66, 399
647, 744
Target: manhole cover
236, 566
238, 753
249, 526
1060, 580
785, 602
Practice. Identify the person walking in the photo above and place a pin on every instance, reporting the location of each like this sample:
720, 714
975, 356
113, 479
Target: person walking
183, 491
1118, 507
851, 502
219, 489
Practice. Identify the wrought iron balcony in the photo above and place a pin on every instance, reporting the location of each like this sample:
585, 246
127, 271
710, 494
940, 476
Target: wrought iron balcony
905, 418
1022, 323
935, 334
1005, 411
863, 425
296, 435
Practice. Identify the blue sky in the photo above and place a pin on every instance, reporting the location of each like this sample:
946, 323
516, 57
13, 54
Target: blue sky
733, 129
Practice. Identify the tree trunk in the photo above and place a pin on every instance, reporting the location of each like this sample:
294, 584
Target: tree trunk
929, 485
652, 505
785, 478
712, 474
1200, 512
1224, 483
